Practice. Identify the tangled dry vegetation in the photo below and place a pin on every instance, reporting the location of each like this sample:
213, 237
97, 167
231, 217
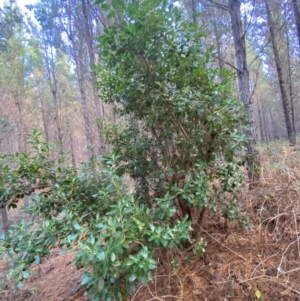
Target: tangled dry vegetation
262, 263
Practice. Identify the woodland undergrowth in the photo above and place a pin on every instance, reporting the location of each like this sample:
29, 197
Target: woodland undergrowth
261, 263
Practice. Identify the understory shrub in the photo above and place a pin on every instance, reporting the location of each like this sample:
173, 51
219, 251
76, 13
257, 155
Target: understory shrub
178, 138
181, 134
90, 212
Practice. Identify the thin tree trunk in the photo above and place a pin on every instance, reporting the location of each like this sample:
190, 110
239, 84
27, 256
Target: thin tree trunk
91, 50
57, 119
297, 19
218, 43
291, 93
291, 90
22, 130
55, 100
274, 126
287, 106
260, 117
72, 150
45, 123
78, 56
53, 87
266, 128
4, 220
20, 124
253, 163
84, 110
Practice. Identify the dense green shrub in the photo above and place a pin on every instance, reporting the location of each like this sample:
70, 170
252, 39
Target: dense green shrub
90, 212
180, 135
178, 140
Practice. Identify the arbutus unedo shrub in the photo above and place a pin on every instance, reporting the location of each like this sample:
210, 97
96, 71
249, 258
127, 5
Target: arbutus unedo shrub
178, 138
182, 133
90, 212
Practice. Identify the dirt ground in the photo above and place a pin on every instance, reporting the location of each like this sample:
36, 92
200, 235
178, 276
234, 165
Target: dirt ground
262, 263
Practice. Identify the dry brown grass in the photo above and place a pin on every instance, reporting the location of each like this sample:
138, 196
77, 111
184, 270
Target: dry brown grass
237, 263
54, 280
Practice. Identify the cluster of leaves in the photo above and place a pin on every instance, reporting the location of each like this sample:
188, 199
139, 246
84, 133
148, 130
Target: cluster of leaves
181, 131
179, 142
90, 212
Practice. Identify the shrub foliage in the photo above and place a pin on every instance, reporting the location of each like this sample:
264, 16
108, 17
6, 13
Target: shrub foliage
178, 140
180, 132
90, 212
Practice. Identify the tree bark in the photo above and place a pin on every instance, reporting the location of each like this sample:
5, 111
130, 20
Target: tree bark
44, 118
274, 126
78, 54
21, 126
218, 43
260, 118
22, 145
49, 58
84, 109
297, 19
266, 128
287, 105
72, 150
253, 163
88, 30
289, 71
4, 220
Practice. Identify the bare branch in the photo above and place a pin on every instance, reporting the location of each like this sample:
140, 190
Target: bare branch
225, 7
225, 62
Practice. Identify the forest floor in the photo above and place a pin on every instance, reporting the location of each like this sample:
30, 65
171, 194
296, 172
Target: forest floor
262, 263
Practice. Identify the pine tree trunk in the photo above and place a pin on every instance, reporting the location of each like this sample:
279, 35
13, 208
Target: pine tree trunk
253, 163
297, 19
21, 126
218, 43
291, 90
287, 105
53, 87
266, 128
274, 126
78, 55
91, 51
72, 150
84, 109
260, 118
44, 118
